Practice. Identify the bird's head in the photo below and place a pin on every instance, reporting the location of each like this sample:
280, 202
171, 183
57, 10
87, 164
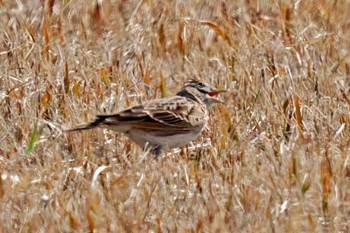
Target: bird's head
200, 91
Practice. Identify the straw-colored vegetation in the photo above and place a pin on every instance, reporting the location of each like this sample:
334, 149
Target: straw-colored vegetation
274, 158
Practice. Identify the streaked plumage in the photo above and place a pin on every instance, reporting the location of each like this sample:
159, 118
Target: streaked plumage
167, 122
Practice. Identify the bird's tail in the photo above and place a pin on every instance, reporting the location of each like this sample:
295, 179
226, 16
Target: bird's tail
99, 121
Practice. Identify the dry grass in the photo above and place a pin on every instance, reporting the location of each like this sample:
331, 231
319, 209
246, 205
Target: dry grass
278, 155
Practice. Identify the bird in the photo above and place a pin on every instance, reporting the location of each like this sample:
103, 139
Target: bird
166, 122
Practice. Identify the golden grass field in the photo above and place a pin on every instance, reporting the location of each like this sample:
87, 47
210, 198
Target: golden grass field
274, 158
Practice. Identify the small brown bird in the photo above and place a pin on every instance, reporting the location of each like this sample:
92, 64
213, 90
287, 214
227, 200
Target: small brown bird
167, 122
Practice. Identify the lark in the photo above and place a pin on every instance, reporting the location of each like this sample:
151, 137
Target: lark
166, 122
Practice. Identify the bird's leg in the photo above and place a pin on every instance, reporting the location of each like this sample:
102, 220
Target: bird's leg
156, 150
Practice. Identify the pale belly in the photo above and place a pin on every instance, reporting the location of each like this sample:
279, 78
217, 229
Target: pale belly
170, 141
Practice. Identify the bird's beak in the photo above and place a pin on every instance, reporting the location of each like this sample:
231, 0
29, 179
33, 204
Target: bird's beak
215, 93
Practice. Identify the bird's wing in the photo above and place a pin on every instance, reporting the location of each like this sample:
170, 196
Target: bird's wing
176, 113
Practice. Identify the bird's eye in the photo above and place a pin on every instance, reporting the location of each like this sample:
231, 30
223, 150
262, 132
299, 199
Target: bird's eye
200, 84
